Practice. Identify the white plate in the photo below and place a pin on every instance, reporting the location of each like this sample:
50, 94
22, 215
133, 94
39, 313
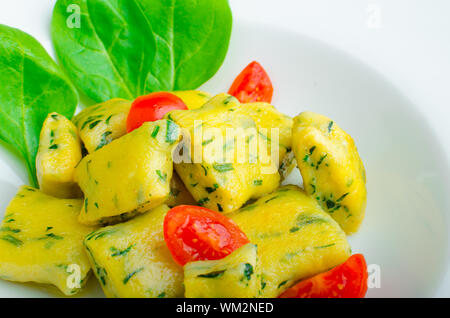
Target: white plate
406, 230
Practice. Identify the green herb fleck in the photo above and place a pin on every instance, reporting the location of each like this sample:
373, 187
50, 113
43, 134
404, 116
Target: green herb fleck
330, 126
11, 239
162, 176
202, 202
129, 276
248, 271
155, 131
212, 274
223, 167
117, 252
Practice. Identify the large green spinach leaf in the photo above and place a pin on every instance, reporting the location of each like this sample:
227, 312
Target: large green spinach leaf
31, 86
127, 48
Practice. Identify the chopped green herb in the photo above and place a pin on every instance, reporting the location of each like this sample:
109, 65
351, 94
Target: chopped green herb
202, 202
162, 295
103, 141
155, 131
257, 182
207, 142
53, 147
325, 246
162, 176
223, 167
8, 229
117, 252
342, 197
212, 274
320, 161
330, 126
219, 207
248, 271
129, 276
212, 189
273, 198
93, 124
282, 283
11, 239
108, 119
227, 100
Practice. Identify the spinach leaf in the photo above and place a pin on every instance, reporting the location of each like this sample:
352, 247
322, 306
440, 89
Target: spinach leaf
128, 48
32, 86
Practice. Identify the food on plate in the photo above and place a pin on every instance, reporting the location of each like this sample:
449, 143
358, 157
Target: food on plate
218, 173
58, 154
161, 189
100, 124
42, 242
234, 276
131, 259
130, 175
296, 239
332, 171
348, 280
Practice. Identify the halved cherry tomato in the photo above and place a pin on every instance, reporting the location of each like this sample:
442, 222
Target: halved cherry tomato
194, 233
152, 107
348, 280
252, 85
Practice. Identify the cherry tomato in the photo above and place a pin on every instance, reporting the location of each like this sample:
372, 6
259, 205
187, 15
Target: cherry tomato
152, 107
252, 85
348, 280
195, 233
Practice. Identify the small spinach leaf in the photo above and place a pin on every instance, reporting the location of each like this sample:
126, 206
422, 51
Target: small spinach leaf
32, 87
127, 48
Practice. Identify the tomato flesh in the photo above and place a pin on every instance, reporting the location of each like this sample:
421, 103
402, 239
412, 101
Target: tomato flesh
152, 107
195, 233
252, 85
348, 280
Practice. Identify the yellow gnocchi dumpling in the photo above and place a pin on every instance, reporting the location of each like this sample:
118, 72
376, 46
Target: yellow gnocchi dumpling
296, 239
100, 124
131, 259
58, 154
193, 99
332, 171
41, 241
128, 176
234, 276
221, 165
